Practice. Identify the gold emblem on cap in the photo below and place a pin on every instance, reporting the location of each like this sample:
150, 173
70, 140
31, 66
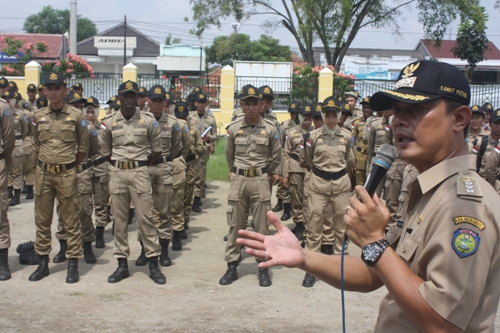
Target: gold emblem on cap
410, 69
475, 108
167, 96
267, 90
347, 107
142, 90
53, 77
307, 109
77, 96
318, 107
292, 106
128, 85
90, 100
2, 81
196, 89
180, 108
498, 113
157, 90
11, 84
489, 106
113, 98
331, 103
251, 91
42, 102
201, 96
366, 100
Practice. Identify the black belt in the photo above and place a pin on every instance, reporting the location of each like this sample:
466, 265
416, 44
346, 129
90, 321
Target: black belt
190, 158
161, 160
329, 175
252, 172
294, 156
1, 156
97, 162
362, 150
126, 165
19, 137
84, 166
55, 168
498, 177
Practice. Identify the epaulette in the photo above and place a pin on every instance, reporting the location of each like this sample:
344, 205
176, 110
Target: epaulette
271, 114
3, 100
467, 186
270, 122
109, 116
146, 113
237, 120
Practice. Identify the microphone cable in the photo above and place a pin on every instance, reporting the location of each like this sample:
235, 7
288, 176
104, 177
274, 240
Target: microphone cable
342, 283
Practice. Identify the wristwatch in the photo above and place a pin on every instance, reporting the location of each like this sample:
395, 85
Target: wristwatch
373, 251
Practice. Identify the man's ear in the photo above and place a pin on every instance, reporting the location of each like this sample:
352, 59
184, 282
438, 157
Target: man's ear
462, 116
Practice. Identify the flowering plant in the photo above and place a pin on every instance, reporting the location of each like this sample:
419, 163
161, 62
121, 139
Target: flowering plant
72, 64
22, 51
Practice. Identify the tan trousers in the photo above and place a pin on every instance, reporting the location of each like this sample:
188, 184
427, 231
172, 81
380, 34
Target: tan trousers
16, 166
100, 191
179, 185
360, 162
4, 205
296, 190
64, 187
283, 194
192, 169
29, 162
246, 194
393, 183
84, 180
199, 184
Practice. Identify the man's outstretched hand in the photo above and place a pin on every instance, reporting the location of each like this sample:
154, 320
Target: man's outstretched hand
283, 248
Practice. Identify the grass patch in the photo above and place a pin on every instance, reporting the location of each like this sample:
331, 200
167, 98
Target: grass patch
111, 297
76, 294
217, 168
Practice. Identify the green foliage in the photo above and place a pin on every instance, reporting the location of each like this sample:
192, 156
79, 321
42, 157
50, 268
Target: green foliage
170, 41
16, 46
55, 21
70, 65
226, 49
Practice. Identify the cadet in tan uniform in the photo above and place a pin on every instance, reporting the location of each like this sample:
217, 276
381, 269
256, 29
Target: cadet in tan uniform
475, 126
126, 137
252, 150
487, 109
77, 88
99, 171
207, 125
41, 91
29, 153
59, 130
15, 182
361, 154
483, 145
31, 92
329, 156
442, 273
4, 85
351, 98
7, 141
141, 101
293, 173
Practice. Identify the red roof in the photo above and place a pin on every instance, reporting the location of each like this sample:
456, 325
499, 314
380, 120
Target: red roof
55, 43
444, 51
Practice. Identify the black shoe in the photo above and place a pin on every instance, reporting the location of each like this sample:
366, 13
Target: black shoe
196, 205
142, 260
42, 269
16, 199
186, 224
155, 273
61, 255
29, 193
176, 241
99, 237
108, 215
24, 190
164, 258
131, 213
327, 249
73, 275
279, 206
88, 254
4, 265
183, 234
309, 281
231, 274
10, 190
287, 214
121, 272
264, 278
225, 238
298, 231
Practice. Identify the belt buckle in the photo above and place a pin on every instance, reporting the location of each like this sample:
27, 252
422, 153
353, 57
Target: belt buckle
245, 173
57, 168
51, 169
252, 172
130, 164
120, 165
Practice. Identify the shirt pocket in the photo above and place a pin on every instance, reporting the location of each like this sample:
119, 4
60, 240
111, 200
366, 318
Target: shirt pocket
166, 139
262, 144
43, 132
140, 136
241, 144
68, 133
118, 136
407, 247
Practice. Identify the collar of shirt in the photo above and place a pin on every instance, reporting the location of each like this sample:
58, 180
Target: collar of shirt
447, 168
245, 124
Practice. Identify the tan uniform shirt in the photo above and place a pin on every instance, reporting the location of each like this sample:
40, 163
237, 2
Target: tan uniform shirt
57, 137
170, 136
253, 147
291, 156
127, 140
471, 138
7, 135
368, 123
196, 143
203, 123
491, 166
284, 127
185, 138
377, 136
476, 149
358, 132
21, 128
450, 239
95, 131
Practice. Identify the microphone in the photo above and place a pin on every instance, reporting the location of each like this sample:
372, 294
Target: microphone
382, 161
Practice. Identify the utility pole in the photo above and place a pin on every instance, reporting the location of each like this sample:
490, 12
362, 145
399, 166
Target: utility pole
201, 52
72, 27
125, 43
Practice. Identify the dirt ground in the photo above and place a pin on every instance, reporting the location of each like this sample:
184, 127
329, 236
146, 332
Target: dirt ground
191, 301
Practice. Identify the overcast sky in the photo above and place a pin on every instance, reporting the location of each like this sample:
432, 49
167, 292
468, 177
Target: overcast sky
158, 18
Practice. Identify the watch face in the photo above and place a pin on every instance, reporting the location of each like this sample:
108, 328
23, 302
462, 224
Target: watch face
370, 252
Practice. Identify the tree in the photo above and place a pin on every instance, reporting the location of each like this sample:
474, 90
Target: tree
471, 39
170, 41
226, 49
335, 23
22, 51
55, 21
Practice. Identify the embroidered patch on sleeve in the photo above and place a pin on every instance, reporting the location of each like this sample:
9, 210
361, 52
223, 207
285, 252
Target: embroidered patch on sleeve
465, 242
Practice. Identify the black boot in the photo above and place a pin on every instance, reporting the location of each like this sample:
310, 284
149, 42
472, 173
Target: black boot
298, 231
88, 254
176, 241
225, 238
4, 265
164, 258
108, 215
131, 213
327, 249
99, 237
279, 206
10, 189
287, 214
72, 275
29, 192
264, 278
142, 260
61, 255
42, 269
24, 190
16, 198
196, 205
183, 234
309, 281
231, 274
155, 273
121, 272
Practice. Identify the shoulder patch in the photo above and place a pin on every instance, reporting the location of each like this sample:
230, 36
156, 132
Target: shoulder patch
470, 220
94, 132
465, 242
186, 129
6, 112
155, 124
467, 185
276, 135
177, 127
83, 123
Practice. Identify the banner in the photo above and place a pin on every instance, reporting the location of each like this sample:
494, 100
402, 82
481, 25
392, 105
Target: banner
367, 71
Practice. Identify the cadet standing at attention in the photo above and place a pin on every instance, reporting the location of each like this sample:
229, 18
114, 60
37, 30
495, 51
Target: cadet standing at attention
31, 91
126, 137
252, 150
361, 154
29, 154
488, 110
60, 131
483, 145
476, 129
7, 140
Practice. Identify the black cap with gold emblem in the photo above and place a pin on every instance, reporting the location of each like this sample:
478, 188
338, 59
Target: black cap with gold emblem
266, 92
128, 86
317, 110
424, 81
487, 107
330, 104
111, 100
40, 87
365, 100
295, 107
201, 97
55, 78
74, 97
143, 92
12, 85
157, 91
18, 96
307, 109
345, 108
477, 109
92, 101
31, 87
249, 91
77, 85
4, 82
41, 102
495, 115
181, 109
169, 97
116, 104
9, 94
